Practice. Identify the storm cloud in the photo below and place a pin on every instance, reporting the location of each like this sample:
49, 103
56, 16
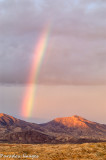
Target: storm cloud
76, 51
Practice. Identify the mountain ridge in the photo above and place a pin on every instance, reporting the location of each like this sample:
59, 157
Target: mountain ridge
74, 116
60, 130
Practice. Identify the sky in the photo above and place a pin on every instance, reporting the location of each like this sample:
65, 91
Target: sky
72, 76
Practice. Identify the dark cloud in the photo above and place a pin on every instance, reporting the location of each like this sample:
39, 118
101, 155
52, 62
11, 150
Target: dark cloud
76, 48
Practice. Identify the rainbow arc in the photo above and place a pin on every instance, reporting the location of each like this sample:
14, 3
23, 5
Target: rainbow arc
30, 93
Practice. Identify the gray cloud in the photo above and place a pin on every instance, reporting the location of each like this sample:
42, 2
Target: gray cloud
76, 52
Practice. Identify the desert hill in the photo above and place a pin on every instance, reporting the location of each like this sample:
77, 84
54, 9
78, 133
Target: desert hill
73, 129
76, 125
8, 121
14, 130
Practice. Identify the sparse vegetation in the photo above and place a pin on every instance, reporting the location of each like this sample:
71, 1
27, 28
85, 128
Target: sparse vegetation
86, 151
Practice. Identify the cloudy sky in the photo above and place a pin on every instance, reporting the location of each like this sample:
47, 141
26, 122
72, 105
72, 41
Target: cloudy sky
75, 55
76, 49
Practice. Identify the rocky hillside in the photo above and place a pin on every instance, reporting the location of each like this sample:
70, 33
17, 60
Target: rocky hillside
73, 129
14, 130
76, 126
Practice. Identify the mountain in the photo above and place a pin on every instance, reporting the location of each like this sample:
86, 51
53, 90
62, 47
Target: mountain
7, 120
14, 130
76, 127
73, 129
10, 122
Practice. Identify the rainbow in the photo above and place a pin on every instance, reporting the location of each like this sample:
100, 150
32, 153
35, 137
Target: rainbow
39, 52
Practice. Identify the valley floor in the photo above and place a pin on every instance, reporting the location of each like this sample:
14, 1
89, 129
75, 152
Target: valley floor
86, 151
